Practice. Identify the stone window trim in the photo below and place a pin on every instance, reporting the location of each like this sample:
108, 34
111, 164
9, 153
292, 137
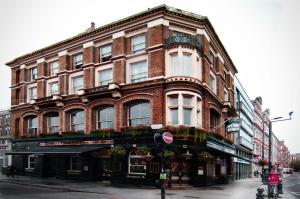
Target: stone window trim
29, 87
71, 76
49, 82
101, 68
135, 60
195, 107
195, 65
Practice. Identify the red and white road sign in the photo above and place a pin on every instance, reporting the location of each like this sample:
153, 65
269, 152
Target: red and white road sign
167, 137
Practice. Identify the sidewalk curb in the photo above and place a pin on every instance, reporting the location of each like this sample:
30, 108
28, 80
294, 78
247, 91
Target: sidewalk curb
50, 187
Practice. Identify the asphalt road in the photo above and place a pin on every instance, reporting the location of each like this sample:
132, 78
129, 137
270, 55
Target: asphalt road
292, 184
15, 191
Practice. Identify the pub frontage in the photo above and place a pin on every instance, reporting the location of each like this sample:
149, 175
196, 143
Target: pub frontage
130, 156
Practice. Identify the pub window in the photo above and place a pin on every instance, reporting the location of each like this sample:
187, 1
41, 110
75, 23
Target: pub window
32, 125
75, 163
53, 124
30, 162
105, 118
77, 121
154, 167
139, 114
116, 166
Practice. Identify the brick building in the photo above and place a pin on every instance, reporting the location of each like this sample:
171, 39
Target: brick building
81, 108
283, 155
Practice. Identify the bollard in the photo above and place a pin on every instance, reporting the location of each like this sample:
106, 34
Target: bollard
260, 194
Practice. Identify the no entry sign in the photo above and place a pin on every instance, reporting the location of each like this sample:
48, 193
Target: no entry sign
167, 137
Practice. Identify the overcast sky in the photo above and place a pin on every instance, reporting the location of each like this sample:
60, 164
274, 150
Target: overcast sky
261, 36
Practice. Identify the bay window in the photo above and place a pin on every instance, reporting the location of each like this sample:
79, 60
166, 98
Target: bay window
139, 114
105, 118
174, 64
182, 108
186, 64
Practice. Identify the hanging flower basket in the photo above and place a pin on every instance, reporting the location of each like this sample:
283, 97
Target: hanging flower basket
263, 163
118, 152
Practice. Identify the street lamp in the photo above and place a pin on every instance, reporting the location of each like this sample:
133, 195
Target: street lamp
277, 119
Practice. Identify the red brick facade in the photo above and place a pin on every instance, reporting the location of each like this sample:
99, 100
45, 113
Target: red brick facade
153, 90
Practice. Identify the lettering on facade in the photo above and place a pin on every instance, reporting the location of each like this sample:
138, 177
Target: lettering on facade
76, 143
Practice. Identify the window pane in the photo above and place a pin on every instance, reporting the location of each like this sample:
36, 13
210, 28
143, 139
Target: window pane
33, 73
54, 68
174, 64
138, 43
139, 71
33, 94
53, 88
186, 65
139, 114
187, 116
77, 59
187, 101
106, 118
105, 52
174, 116
174, 101
77, 83
105, 76
77, 121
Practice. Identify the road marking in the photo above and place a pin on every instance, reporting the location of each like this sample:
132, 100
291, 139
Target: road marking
295, 193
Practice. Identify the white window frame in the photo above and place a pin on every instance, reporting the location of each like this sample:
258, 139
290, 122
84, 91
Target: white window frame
195, 107
140, 79
132, 44
214, 86
101, 82
71, 76
79, 123
136, 157
134, 60
29, 161
195, 65
100, 68
77, 64
134, 104
52, 70
107, 55
48, 124
29, 87
98, 122
33, 74
32, 127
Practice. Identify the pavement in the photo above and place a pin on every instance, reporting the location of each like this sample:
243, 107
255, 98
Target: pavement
241, 189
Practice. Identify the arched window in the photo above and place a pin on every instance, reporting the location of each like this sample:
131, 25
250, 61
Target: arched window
32, 123
53, 123
77, 120
139, 114
105, 118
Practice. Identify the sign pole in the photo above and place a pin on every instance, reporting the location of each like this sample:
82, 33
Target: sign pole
162, 187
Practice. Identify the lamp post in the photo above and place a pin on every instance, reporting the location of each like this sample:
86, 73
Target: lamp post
277, 119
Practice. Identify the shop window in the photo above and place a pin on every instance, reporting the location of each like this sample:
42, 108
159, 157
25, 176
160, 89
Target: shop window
30, 161
77, 121
53, 123
154, 167
54, 68
77, 83
105, 118
75, 164
138, 43
105, 76
33, 73
139, 71
139, 114
77, 60
32, 125
105, 53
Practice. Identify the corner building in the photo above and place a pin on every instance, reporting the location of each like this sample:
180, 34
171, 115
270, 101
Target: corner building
82, 108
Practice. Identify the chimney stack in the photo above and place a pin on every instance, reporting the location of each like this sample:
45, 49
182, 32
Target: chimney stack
92, 25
